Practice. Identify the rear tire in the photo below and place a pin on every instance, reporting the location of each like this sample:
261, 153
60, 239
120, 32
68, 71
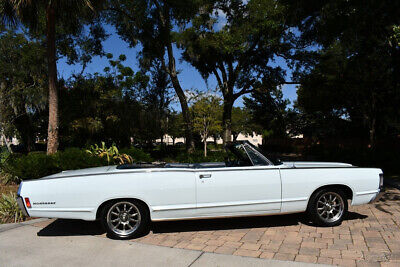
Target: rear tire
125, 219
328, 207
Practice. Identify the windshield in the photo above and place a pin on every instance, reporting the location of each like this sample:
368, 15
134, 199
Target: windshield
256, 157
248, 155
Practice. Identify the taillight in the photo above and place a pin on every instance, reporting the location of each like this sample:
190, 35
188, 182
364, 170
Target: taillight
28, 203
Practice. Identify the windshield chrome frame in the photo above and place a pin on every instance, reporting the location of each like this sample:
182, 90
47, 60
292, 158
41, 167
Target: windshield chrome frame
247, 147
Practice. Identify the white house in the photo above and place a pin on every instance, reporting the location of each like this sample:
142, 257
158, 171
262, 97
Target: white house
255, 139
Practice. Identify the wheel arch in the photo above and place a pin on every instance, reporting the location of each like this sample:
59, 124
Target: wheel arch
345, 188
102, 205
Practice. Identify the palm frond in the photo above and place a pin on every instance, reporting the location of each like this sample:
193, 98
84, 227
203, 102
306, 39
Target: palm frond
8, 14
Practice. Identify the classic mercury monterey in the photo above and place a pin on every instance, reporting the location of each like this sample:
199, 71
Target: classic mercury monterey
126, 198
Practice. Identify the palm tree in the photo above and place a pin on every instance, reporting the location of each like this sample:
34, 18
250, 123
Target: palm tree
27, 12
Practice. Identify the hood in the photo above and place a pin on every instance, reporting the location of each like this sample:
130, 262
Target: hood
88, 171
315, 164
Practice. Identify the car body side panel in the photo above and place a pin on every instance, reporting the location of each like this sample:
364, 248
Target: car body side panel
298, 184
168, 194
171, 193
233, 190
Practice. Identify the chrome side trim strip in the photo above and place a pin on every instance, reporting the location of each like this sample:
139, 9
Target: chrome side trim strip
367, 192
294, 199
174, 207
60, 210
212, 205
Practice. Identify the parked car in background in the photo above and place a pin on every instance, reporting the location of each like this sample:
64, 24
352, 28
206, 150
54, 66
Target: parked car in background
126, 198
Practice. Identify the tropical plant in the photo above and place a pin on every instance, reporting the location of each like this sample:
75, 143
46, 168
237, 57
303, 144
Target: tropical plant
9, 210
110, 153
137, 154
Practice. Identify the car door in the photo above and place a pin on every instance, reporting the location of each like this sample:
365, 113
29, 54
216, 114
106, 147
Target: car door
238, 191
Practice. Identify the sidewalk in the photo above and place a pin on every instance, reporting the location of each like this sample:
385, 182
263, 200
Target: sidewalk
21, 246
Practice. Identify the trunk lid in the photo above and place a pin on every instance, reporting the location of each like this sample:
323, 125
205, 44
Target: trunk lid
88, 171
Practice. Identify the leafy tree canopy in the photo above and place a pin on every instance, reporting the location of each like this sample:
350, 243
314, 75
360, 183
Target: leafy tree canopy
22, 86
240, 52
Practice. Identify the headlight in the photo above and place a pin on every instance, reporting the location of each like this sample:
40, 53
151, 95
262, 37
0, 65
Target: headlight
380, 180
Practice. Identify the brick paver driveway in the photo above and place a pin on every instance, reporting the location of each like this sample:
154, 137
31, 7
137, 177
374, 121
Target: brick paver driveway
370, 236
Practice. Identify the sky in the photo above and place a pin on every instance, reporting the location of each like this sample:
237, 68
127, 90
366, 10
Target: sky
189, 77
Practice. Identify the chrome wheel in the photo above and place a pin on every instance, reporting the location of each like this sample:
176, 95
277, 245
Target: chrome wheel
330, 207
123, 218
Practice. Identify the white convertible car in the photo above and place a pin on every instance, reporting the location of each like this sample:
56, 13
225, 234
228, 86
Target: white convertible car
126, 198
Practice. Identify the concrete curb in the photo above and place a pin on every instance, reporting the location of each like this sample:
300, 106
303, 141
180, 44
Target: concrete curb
9, 226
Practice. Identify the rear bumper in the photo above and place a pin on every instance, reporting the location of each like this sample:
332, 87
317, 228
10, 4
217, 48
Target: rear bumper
21, 205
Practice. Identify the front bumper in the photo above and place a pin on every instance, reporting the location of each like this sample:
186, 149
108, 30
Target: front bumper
21, 205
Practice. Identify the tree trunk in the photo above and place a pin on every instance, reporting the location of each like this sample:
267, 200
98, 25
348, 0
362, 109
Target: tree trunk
372, 130
227, 120
182, 99
205, 147
52, 134
185, 114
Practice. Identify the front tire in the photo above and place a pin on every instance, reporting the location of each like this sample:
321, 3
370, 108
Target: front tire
125, 219
328, 207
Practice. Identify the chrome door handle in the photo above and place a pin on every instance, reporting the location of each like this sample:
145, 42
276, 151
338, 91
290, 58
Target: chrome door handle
202, 176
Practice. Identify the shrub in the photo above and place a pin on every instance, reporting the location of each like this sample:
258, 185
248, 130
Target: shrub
198, 156
35, 165
75, 158
137, 154
31, 166
9, 210
3, 154
7, 179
